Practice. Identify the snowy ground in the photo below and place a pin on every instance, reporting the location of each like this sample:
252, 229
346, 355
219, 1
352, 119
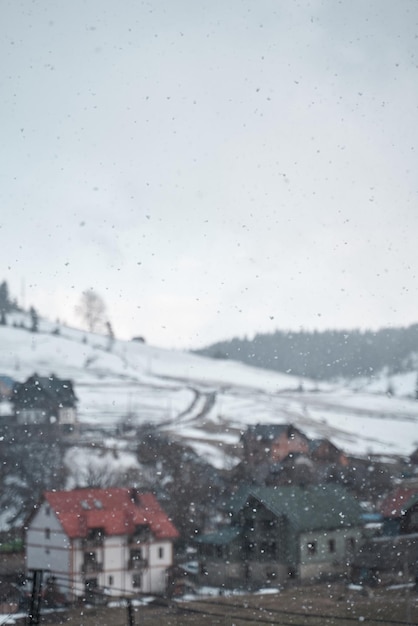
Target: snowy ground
209, 403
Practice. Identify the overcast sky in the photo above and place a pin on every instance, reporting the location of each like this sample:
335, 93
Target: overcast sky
211, 168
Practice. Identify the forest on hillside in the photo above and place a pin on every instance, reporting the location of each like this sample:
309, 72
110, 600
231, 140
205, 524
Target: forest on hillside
325, 355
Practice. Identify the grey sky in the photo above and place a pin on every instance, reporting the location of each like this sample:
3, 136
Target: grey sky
211, 168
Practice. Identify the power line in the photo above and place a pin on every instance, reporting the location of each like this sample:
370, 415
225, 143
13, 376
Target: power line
34, 615
322, 615
78, 587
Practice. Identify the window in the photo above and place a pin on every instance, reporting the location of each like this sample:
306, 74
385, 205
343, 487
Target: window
137, 581
136, 560
135, 555
47, 533
311, 547
331, 545
350, 544
90, 589
141, 534
47, 511
110, 581
95, 537
268, 524
160, 553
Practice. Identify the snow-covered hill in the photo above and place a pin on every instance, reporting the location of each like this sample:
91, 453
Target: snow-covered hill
209, 402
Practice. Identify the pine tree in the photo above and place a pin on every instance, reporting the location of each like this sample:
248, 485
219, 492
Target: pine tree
34, 319
110, 335
5, 304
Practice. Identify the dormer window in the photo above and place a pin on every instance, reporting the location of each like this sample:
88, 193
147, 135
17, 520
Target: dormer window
95, 537
140, 535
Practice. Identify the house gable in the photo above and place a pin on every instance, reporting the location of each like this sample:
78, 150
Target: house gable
43, 400
47, 545
116, 538
280, 532
272, 442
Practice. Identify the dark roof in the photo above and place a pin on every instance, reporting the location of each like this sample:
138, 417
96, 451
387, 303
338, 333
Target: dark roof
271, 431
57, 390
322, 507
237, 499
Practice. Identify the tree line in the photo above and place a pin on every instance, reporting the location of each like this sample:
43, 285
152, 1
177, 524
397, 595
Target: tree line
327, 354
91, 309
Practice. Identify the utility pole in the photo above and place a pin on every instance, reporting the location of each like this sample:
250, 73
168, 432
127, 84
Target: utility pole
34, 616
130, 608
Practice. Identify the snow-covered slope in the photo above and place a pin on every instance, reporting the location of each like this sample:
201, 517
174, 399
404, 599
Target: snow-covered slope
208, 402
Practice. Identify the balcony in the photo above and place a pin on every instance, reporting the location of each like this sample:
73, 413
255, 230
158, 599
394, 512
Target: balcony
137, 564
93, 541
95, 537
91, 567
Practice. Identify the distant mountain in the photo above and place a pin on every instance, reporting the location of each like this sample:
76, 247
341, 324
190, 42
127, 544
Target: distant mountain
325, 355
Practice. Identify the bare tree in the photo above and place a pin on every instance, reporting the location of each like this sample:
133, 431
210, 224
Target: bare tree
102, 475
92, 310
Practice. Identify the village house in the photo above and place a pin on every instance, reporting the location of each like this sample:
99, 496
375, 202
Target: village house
279, 533
279, 454
392, 556
44, 400
386, 560
324, 451
399, 510
272, 443
295, 469
94, 539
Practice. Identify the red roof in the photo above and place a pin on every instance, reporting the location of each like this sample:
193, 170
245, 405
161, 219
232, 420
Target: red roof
117, 511
396, 502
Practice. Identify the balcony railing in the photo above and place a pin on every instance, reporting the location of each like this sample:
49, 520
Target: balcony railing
90, 567
137, 564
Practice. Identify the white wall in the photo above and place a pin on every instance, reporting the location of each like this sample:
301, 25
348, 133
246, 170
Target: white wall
324, 561
116, 576
47, 546
67, 415
53, 551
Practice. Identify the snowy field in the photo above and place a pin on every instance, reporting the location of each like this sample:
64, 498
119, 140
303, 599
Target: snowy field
208, 403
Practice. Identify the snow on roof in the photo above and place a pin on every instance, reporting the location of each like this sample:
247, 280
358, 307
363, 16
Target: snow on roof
116, 511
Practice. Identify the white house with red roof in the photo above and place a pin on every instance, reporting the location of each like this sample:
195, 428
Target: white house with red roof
116, 539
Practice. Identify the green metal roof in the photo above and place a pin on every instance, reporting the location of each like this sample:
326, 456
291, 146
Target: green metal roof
222, 537
322, 507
